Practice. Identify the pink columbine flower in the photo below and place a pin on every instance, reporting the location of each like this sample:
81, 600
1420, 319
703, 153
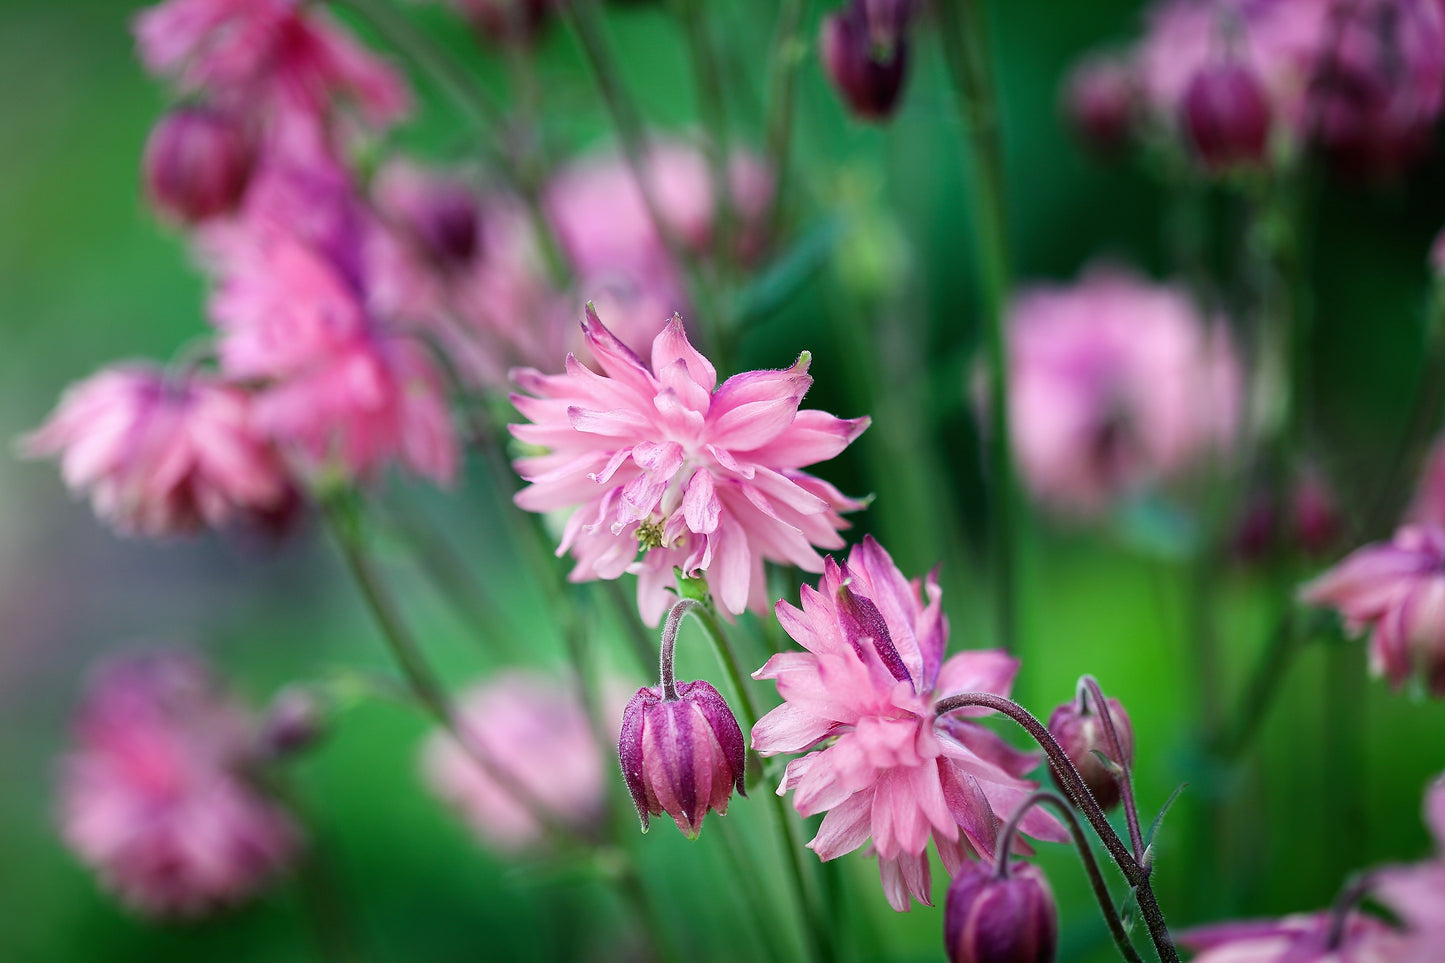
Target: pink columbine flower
281, 57
1416, 893
153, 795
339, 387
1395, 589
163, 454
664, 462
534, 731
1116, 384
1302, 938
860, 704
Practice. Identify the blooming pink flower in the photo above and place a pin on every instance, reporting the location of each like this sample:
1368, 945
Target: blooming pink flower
1115, 384
700, 479
860, 704
1416, 894
1303, 938
163, 454
534, 731
281, 57
153, 796
338, 387
1397, 590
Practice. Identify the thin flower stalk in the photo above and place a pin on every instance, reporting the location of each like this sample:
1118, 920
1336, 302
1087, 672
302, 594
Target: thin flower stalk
965, 41
1136, 872
783, 62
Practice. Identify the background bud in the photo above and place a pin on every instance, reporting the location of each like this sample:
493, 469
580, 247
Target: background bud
1226, 116
197, 163
1081, 732
295, 720
865, 55
1000, 919
1098, 103
681, 756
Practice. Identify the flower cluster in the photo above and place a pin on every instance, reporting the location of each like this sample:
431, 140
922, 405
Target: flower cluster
859, 703
155, 794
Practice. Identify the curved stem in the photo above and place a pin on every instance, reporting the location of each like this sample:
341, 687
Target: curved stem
1116, 754
675, 615
965, 40
1350, 896
1079, 794
1086, 855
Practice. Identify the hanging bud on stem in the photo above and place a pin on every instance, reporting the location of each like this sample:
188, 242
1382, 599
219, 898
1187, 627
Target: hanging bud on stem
681, 749
1079, 728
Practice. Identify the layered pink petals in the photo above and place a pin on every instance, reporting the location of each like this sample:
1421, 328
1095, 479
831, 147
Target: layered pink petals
1303, 938
153, 796
1116, 384
659, 458
534, 734
1416, 893
1397, 591
859, 703
161, 455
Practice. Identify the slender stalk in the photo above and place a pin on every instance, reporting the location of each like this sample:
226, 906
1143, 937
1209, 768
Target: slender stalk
1116, 753
965, 41
1078, 792
1263, 686
1086, 855
712, 107
820, 934
783, 60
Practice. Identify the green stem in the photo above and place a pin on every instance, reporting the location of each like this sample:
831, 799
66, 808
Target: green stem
965, 40
712, 107
787, 53
820, 933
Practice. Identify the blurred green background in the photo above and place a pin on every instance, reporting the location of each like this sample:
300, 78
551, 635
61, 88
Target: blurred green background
87, 277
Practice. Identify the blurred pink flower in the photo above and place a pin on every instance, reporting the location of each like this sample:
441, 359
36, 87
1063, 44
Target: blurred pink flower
695, 476
284, 58
535, 732
162, 454
1397, 591
891, 769
1428, 506
603, 224
337, 385
1116, 384
1416, 894
1303, 938
1100, 100
153, 795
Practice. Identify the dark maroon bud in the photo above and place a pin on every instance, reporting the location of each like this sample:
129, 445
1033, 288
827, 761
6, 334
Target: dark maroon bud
1226, 115
508, 21
1316, 515
1099, 103
681, 754
1080, 731
197, 163
865, 55
295, 720
994, 917
448, 224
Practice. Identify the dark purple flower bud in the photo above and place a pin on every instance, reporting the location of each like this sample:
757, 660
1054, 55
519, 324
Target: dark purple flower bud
1312, 522
197, 163
1080, 731
865, 54
295, 720
681, 756
1000, 918
1226, 115
1099, 103
507, 21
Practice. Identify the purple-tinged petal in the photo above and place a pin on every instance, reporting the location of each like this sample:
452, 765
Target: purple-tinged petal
629, 751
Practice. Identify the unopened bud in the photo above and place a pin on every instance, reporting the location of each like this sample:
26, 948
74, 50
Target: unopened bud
865, 55
681, 754
295, 720
1080, 731
1226, 115
1099, 103
994, 917
197, 164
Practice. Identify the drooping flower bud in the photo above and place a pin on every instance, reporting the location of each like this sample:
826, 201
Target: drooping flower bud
1226, 115
1099, 103
865, 55
437, 214
682, 753
197, 164
1080, 731
1310, 523
994, 917
295, 720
